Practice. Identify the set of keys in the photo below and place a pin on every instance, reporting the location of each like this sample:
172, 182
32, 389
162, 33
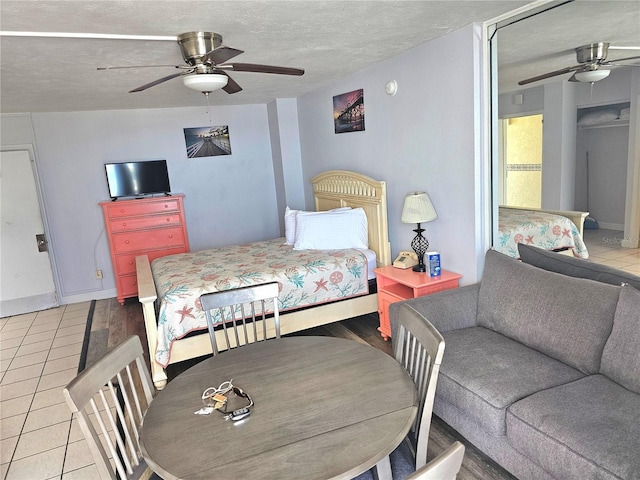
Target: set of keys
213, 402
216, 399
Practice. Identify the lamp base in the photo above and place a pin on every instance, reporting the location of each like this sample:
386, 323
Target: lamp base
421, 267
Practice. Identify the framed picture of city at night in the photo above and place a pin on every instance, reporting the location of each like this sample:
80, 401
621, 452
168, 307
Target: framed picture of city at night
348, 112
207, 141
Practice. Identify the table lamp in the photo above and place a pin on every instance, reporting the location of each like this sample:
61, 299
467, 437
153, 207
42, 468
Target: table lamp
418, 209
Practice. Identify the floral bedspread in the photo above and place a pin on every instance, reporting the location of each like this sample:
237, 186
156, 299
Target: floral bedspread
306, 277
540, 229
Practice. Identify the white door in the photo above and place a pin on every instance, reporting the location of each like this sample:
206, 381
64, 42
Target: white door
26, 278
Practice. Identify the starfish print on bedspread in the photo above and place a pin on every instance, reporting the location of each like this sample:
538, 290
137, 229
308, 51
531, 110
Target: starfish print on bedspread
321, 284
185, 312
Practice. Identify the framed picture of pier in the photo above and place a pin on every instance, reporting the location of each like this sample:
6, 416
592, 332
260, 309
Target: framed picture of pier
348, 112
207, 141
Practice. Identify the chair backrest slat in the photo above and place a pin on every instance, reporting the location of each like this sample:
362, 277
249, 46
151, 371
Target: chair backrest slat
241, 311
117, 395
444, 467
419, 348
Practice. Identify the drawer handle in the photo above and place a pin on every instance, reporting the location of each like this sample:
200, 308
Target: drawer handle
130, 262
170, 236
168, 219
127, 242
122, 210
124, 224
166, 206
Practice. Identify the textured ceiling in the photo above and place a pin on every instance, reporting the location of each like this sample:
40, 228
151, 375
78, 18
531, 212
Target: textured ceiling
547, 42
330, 39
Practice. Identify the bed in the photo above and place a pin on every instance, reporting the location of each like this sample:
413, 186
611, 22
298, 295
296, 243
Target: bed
557, 230
334, 189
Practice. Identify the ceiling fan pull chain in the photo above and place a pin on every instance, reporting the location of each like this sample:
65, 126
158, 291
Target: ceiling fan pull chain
206, 94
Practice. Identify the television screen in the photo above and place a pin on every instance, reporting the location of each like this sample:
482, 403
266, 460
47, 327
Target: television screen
133, 179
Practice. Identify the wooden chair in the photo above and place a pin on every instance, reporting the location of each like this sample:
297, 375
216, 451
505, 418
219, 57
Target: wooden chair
444, 467
112, 395
419, 348
241, 313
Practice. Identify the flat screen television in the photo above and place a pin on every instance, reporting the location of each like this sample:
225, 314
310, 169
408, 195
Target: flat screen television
137, 179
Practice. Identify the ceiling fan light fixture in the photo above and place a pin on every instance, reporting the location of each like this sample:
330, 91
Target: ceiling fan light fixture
205, 82
591, 76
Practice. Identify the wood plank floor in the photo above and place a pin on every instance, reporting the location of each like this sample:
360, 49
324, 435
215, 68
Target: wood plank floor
125, 320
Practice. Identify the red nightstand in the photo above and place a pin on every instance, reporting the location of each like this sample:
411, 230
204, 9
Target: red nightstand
395, 284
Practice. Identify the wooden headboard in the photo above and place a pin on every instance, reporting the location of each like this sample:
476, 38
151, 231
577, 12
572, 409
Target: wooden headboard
342, 188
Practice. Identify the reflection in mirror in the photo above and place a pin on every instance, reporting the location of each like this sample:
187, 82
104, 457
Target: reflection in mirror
562, 144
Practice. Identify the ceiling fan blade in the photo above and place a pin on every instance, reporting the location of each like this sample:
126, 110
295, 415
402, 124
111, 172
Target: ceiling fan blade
231, 86
158, 81
622, 59
254, 67
220, 54
139, 66
550, 74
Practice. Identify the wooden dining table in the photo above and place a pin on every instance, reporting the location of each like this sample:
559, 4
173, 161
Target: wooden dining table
324, 408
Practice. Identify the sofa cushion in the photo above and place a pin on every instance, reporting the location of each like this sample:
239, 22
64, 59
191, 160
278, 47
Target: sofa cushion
483, 372
621, 355
575, 267
585, 429
566, 318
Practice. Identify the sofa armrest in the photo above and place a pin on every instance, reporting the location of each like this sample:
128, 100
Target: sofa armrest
448, 310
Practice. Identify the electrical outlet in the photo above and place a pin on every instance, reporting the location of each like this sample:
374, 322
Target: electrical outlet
98, 274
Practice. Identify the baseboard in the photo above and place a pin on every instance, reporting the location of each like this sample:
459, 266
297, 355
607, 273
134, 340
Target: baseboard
611, 226
35, 303
87, 297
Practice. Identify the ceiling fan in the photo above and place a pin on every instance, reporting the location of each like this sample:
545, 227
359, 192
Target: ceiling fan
205, 69
590, 60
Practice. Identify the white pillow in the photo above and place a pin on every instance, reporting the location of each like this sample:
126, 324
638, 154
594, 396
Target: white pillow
289, 226
290, 222
331, 230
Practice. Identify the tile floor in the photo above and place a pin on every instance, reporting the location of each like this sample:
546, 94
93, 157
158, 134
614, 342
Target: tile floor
605, 247
39, 354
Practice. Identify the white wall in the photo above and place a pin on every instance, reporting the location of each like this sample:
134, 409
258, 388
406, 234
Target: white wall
425, 138
564, 175
607, 150
559, 146
285, 148
229, 199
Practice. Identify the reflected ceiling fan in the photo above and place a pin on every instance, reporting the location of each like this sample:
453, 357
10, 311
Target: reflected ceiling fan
590, 60
206, 67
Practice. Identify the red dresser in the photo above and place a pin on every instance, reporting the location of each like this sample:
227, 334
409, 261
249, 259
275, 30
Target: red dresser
153, 226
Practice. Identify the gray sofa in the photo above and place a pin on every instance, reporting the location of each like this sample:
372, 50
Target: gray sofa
541, 369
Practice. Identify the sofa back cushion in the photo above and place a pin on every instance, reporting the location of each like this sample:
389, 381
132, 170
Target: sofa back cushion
575, 267
567, 318
621, 355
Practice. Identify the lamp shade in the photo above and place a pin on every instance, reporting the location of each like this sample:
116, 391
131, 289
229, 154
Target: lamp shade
592, 75
205, 82
418, 208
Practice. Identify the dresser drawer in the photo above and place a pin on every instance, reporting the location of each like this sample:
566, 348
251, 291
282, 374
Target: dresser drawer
142, 207
128, 286
127, 263
139, 223
151, 239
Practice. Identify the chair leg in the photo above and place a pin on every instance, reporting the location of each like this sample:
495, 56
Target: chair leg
383, 469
